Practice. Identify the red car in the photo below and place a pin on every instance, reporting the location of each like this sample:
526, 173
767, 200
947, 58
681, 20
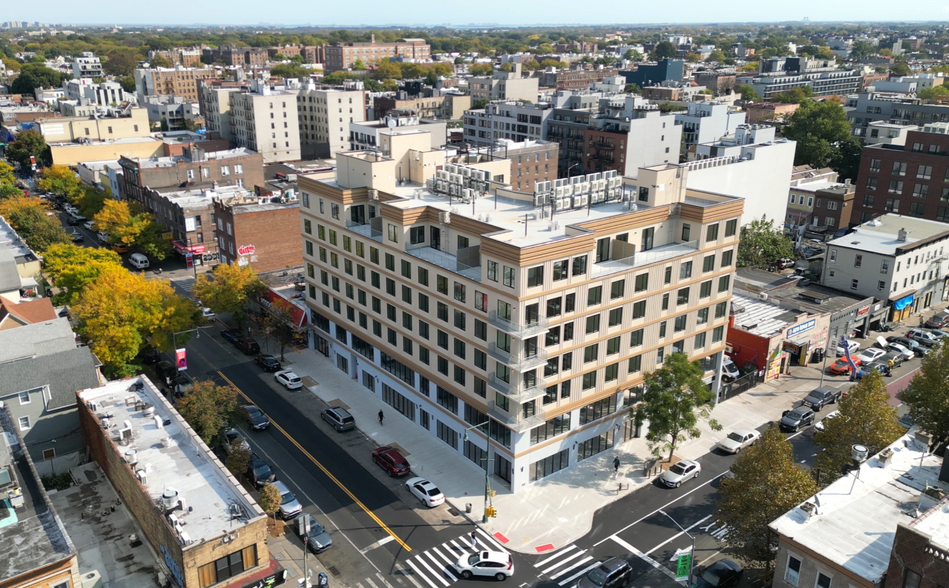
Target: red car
391, 461
842, 366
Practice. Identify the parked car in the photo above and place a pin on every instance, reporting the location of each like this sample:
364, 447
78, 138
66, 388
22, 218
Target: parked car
288, 379
120, 247
681, 471
232, 439
391, 461
842, 366
916, 347
871, 354
853, 345
730, 371
907, 422
612, 573
231, 336
208, 314
721, 574
317, 540
258, 420
76, 236
923, 336
877, 366
796, 419
939, 333
893, 358
902, 350
738, 440
75, 219
426, 492
289, 505
339, 418
268, 362
165, 370
818, 398
496, 564
780, 264
182, 384
102, 236
259, 471
937, 321
248, 345
89, 225
821, 423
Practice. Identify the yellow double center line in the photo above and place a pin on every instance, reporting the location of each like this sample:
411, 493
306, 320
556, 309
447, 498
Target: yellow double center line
325, 471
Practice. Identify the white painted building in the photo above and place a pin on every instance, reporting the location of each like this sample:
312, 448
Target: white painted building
87, 65
705, 122
325, 114
364, 136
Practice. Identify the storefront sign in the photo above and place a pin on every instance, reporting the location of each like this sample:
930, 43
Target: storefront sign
863, 311
791, 347
798, 329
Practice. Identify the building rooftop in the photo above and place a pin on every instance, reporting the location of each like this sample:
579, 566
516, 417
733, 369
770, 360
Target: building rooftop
170, 459
31, 534
793, 293
126, 141
759, 317
201, 196
157, 162
11, 241
881, 235
853, 521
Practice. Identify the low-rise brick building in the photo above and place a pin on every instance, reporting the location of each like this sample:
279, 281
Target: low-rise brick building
258, 232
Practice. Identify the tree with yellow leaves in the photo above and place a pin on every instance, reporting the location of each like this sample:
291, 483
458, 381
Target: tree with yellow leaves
120, 312
113, 218
34, 221
60, 180
72, 268
229, 289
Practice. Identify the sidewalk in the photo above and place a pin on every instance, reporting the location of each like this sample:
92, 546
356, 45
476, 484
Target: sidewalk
559, 509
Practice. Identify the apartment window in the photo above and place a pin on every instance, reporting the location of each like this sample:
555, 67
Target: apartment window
884, 266
639, 309
708, 264
594, 295
911, 580
24, 423
687, 228
393, 233
793, 572
868, 201
942, 214
569, 303
892, 205
508, 277
899, 168
460, 320
552, 337
493, 271
731, 227
705, 290
711, 233
636, 338
579, 265
857, 260
833, 255
723, 283
593, 324
589, 380
334, 211
441, 285
920, 191
924, 172
871, 183
854, 284
685, 270
823, 581
616, 317
680, 323
917, 209
881, 285
617, 289
560, 270
662, 329
667, 275
535, 276
701, 317
460, 292
590, 353
896, 187
481, 302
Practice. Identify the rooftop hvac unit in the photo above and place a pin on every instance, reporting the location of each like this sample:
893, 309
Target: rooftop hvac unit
466, 172
142, 477
444, 218
441, 185
441, 175
125, 436
169, 499
580, 201
131, 457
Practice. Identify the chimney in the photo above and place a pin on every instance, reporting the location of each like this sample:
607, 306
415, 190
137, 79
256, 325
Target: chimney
901, 235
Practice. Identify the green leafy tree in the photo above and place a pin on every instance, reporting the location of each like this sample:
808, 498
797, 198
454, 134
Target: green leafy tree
26, 144
819, 129
91, 200
269, 500
34, 222
481, 69
900, 68
716, 56
8, 183
231, 288
128, 84
359, 65
846, 159
290, 70
278, 324
861, 50
553, 63
120, 62
934, 93
766, 484
761, 243
337, 77
674, 400
664, 50
865, 418
35, 75
388, 70
632, 89
748, 93
927, 395
794, 95
72, 268
633, 55
480, 103
160, 61
238, 459
210, 409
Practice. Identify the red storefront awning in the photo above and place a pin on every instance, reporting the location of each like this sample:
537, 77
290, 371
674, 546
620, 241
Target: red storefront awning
183, 249
298, 314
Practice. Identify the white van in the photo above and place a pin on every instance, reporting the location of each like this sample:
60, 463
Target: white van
729, 370
138, 260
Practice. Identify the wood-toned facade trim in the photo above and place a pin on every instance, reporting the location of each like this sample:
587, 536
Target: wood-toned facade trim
712, 213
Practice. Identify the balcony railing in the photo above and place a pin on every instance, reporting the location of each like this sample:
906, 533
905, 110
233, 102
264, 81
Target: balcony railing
517, 329
655, 255
518, 361
365, 230
447, 261
518, 392
517, 423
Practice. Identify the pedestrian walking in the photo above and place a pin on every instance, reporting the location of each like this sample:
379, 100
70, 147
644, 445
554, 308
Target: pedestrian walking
474, 543
616, 464
380, 417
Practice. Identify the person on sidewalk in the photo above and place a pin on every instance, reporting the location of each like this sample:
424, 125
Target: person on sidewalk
616, 464
380, 416
474, 542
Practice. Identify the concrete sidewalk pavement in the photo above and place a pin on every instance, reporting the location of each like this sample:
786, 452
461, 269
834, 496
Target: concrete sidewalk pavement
559, 509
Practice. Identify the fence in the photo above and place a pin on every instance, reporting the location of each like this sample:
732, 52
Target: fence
736, 387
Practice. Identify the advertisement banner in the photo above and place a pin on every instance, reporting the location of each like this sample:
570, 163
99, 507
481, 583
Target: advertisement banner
181, 358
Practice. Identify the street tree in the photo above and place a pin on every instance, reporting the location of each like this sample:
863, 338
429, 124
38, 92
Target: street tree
91, 200
31, 219
114, 218
26, 144
900, 68
674, 400
716, 56
210, 409
8, 183
632, 89
766, 484
483, 69
290, 70
120, 62
36, 75
761, 243
934, 93
846, 159
72, 268
269, 500
819, 128
633, 55
664, 50
150, 236
278, 324
793, 96
59, 180
865, 418
238, 459
229, 290
927, 395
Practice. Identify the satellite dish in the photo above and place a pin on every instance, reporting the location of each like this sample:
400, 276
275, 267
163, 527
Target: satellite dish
391, 123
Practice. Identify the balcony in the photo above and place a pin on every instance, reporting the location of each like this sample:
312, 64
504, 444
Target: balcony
367, 229
654, 255
448, 261
518, 392
518, 330
519, 361
518, 423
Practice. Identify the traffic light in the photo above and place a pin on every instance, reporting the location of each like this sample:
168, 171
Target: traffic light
492, 492
490, 511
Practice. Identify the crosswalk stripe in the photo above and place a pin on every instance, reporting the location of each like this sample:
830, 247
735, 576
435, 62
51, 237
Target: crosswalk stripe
371, 583
577, 575
491, 540
420, 574
384, 582
555, 556
448, 562
563, 561
440, 577
644, 557
571, 568
403, 573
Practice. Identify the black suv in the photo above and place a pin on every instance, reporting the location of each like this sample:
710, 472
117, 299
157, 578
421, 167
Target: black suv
612, 573
797, 419
259, 472
268, 362
821, 397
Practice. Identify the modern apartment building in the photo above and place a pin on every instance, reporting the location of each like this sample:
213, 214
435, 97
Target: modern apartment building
504, 85
175, 81
891, 107
898, 259
172, 113
906, 179
87, 65
705, 122
324, 114
364, 136
509, 119
533, 317
345, 56
780, 74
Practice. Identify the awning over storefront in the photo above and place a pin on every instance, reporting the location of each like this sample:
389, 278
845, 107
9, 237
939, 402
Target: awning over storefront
183, 249
903, 302
296, 313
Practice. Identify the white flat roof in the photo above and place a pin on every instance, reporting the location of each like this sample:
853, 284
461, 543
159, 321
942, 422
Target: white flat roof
758, 317
185, 465
855, 520
880, 235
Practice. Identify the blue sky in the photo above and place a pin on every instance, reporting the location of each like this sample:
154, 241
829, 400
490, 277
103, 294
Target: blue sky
440, 12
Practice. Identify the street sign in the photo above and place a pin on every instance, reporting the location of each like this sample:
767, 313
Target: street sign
682, 567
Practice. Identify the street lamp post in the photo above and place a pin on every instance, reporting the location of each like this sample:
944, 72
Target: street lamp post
487, 462
571, 167
690, 536
823, 369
